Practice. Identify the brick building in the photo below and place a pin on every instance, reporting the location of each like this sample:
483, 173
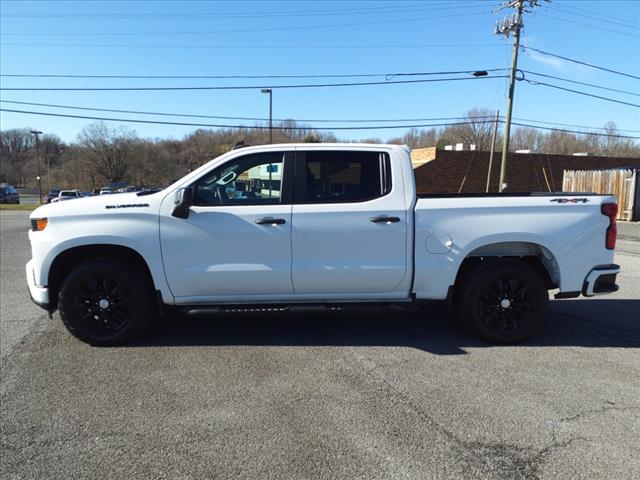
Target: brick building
443, 171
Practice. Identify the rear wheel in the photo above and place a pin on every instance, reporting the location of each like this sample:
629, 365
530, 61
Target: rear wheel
503, 300
106, 302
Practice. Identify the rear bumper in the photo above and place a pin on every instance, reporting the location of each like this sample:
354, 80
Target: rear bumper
39, 295
601, 280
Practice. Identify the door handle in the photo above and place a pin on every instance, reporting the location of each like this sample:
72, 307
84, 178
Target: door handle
384, 219
270, 221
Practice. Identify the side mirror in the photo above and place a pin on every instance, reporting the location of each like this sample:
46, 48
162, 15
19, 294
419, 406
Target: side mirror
183, 200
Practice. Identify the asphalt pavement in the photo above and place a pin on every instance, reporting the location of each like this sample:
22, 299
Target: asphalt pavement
330, 396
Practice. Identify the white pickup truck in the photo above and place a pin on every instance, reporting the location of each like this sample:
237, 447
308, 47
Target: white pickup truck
316, 224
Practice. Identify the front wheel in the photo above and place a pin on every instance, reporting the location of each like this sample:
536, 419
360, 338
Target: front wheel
504, 300
106, 302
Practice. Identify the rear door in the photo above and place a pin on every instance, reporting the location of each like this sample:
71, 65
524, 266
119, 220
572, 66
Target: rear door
350, 226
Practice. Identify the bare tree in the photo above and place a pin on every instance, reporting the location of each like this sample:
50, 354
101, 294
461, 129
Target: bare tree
415, 138
109, 152
477, 129
16, 157
525, 138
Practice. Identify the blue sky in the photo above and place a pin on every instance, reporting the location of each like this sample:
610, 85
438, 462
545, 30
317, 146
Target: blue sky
309, 38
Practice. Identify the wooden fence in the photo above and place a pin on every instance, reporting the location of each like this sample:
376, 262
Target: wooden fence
623, 183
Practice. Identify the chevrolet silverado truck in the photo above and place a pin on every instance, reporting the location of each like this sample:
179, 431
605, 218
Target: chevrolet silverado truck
328, 225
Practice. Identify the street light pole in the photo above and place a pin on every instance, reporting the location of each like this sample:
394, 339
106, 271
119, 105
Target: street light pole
48, 172
36, 133
270, 92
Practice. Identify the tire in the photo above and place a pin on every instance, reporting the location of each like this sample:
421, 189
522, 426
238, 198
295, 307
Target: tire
106, 302
504, 301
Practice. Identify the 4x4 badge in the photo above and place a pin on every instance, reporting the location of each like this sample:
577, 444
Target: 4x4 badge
569, 200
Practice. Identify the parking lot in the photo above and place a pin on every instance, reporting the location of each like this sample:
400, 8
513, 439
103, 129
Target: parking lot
302, 396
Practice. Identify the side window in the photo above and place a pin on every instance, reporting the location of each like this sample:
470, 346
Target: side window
345, 177
249, 180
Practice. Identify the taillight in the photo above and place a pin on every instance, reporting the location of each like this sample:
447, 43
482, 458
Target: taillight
611, 211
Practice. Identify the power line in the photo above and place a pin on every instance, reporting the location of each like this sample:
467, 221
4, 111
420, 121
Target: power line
253, 47
254, 127
390, 76
166, 114
600, 14
387, 76
159, 122
620, 22
250, 14
532, 82
279, 29
524, 47
388, 10
476, 118
174, 77
571, 125
575, 131
316, 120
597, 27
580, 83
251, 87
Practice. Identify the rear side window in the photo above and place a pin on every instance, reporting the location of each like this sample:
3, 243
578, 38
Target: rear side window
341, 177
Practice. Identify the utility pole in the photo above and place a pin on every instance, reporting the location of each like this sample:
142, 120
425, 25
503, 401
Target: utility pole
507, 27
36, 133
493, 147
270, 166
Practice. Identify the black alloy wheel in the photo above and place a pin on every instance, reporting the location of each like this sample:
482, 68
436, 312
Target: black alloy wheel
103, 305
502, 300
106, 301
506, 304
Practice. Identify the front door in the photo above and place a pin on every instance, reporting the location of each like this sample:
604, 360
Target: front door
236, 243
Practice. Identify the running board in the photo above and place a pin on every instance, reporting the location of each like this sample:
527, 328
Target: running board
206, 310
232, 309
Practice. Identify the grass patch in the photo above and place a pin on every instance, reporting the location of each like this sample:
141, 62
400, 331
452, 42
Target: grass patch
26, 208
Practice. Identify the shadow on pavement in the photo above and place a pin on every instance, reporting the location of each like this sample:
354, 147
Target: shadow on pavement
579, 323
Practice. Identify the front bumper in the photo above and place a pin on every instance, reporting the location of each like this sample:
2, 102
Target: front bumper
601, 280
39, 294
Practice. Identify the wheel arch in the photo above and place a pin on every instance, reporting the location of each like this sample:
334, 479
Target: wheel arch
534, 254
68, 259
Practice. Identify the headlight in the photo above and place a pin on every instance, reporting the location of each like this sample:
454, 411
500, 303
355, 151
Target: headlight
38, 224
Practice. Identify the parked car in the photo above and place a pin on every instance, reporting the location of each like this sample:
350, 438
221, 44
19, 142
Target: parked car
353, 231
86, 194
51, 195
67, 195
106, 191
8, 194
